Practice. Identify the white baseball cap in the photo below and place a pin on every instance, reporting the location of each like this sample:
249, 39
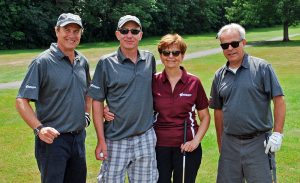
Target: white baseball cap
128, 18
68, 18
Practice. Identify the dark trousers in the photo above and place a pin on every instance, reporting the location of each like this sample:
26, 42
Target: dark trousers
63, 161
169, 162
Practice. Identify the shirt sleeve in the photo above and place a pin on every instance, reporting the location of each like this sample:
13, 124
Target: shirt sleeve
153, 64
98, 87
201, 100
88, 75
271, 83
215, 100
31, 84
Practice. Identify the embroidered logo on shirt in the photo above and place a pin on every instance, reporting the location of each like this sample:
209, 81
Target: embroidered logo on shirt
185, 94
31, 87
94, 86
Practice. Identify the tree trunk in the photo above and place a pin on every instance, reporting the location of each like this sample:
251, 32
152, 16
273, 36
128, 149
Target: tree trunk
286, 31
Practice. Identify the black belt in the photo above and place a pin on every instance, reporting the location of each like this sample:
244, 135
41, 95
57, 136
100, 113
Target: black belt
248, 136
76, 132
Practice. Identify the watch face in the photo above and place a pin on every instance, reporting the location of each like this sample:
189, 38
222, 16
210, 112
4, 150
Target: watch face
36, 131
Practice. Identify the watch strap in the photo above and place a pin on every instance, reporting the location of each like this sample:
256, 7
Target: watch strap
36, 131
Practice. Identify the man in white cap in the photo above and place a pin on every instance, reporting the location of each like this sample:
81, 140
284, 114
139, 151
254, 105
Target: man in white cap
123, 80
57, 81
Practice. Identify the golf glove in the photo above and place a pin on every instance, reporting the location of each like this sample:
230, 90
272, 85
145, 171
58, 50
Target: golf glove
87, 119
274, 142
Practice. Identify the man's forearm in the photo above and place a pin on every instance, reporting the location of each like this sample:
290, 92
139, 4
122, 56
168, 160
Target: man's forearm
88, 104
27, 113
98, 119
218, 115
279, 113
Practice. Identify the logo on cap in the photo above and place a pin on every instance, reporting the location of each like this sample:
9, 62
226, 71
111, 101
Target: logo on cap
68, 18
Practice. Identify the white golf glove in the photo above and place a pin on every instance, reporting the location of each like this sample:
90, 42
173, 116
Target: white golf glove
274, 142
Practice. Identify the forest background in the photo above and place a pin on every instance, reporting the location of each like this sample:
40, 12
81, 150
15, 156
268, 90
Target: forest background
30, 23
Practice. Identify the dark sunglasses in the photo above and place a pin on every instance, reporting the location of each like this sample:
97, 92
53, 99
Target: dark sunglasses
133, 31
234, 44
167, 53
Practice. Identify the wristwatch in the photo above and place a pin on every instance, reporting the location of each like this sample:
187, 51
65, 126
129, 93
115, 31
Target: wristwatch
36, 131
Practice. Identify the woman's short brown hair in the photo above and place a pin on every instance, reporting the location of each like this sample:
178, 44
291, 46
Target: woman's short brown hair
172, 39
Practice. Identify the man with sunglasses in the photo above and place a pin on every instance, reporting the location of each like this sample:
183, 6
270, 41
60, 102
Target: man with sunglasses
123, 79
241, 94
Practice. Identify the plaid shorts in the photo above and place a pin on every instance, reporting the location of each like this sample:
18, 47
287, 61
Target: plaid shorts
134, 155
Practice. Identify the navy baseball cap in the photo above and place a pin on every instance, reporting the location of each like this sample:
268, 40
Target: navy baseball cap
128, 18
68, 18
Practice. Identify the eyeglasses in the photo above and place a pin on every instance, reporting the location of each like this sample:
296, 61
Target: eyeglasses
133, 31
234, 44
167, 53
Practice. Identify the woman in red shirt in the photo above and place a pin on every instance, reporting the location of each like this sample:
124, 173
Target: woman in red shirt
178, 96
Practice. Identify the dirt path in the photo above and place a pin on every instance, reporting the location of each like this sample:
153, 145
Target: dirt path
16, 84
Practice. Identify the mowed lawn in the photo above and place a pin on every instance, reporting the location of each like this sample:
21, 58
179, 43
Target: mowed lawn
17, 162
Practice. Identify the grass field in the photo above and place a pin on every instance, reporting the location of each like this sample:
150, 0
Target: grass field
13, 63
17, 163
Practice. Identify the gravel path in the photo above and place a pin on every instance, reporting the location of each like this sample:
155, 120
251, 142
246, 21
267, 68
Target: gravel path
16, 84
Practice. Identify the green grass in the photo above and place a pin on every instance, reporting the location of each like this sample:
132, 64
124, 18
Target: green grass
17, 162
14, 63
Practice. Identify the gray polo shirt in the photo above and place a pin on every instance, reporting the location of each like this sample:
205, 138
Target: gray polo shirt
126, 87
58, 89
245, 97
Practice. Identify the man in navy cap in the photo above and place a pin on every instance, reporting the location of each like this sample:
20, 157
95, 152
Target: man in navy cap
123, 80
57, 82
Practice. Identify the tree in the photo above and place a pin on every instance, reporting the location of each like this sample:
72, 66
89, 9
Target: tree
290, 15
28, 23
188, 16
96, 19
260, 13
170, 17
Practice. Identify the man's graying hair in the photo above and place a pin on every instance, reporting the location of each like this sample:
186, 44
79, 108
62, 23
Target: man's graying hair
232, 26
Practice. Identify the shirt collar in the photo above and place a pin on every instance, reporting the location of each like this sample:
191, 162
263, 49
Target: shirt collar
58, 53
183, 78
245, 62
122, 58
